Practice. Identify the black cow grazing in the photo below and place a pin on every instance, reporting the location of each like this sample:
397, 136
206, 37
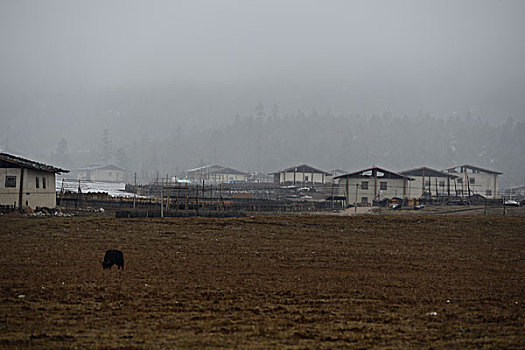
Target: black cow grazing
113, 257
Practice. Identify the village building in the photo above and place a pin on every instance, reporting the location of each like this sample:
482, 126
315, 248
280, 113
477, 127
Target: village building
260, 177
472, 180
217, 174
26, 183
102, 173
429, 183
300, 175
515, 192
365, 186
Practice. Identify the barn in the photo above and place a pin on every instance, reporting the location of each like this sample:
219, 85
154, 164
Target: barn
26, 183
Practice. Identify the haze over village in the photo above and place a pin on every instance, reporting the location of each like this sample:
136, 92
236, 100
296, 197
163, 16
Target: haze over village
262, 174
159, 89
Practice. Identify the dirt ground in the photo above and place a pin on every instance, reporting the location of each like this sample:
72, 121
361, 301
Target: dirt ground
264, 282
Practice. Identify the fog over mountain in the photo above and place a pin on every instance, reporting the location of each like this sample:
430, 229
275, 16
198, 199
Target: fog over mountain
168, 85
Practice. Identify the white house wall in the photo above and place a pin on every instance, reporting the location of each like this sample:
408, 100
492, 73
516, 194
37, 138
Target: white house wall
415, 187
347, 188
31, 195
9, 195
482, 184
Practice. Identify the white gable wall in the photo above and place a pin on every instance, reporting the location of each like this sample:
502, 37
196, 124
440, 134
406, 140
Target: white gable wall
32, 196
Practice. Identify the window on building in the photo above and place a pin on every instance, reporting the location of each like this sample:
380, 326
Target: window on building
442, 183
427, 183
10, 181
460, 181
37, 182
306, 178
43, 182
364, 185
472, 180
382, 185
364, 200
488, 192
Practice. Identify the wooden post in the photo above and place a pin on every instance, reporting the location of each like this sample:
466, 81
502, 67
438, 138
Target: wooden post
332, 203
61, 193
423, 183
21, 192
355, 207
374, 173
135, 192
197, 199
347, 197
161, 203
177, 199
468, 187
186, 198
220, 197
78, 195
168, 200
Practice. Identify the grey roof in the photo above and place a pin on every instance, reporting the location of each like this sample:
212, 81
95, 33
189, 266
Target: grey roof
472, 167
204, 169
11, 161
389, 173
303, 168
427, 172
102, 167
215, 169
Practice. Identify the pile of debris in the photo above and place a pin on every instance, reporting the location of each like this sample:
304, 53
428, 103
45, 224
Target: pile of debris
44, 211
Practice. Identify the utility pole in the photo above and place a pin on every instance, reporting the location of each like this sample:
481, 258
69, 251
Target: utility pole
220, 197
468, 187
186, 197
332, 204
161, 203
355, 207
61, 193
78, 195
135, 192
197, 199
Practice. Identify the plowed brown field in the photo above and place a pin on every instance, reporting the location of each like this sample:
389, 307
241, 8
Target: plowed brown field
264, 282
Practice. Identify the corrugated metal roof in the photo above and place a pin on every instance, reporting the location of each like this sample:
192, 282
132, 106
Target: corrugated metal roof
472, 167
303, 168
30, 164
102, 167
427, 171
359, 173
215, 169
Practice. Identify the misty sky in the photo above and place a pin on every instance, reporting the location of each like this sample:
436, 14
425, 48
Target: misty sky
146, 69
363, 56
